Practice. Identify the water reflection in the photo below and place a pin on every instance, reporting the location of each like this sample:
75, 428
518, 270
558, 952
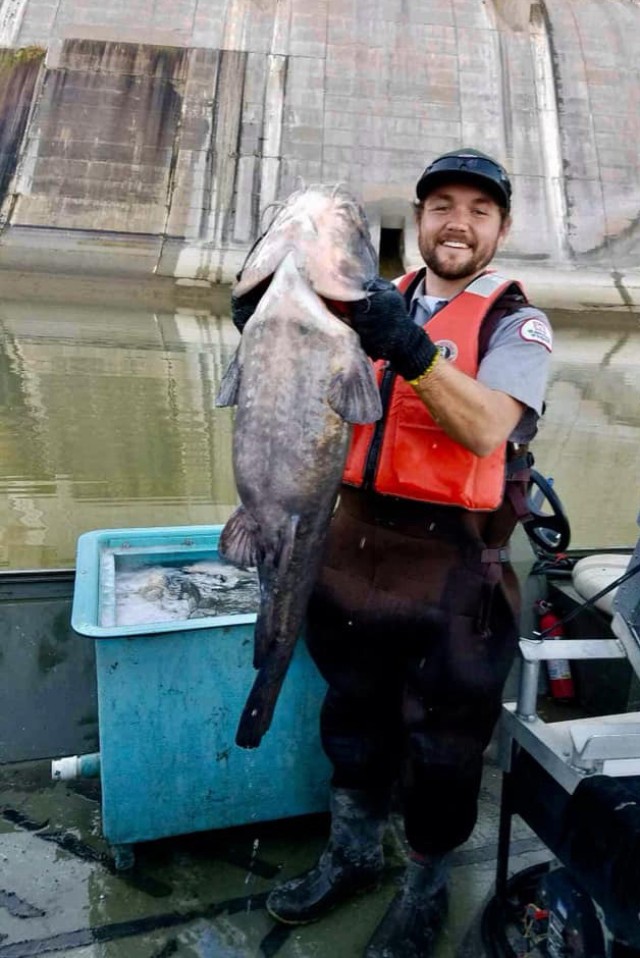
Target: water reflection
107, 420
589, 440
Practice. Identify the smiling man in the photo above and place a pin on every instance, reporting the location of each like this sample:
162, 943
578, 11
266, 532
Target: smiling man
413, 622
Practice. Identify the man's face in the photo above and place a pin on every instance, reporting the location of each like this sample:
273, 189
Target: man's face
459, 230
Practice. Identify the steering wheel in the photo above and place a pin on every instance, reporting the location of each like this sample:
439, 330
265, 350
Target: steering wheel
547, 525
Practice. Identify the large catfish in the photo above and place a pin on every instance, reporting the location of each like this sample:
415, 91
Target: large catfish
299, 378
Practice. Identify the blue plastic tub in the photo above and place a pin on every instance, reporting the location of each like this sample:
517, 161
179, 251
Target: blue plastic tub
169, 699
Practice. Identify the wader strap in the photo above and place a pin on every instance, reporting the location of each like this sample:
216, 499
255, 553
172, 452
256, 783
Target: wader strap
518, 474
494, 557
517, 484
492, 561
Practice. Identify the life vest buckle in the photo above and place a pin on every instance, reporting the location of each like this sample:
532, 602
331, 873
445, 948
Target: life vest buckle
491, 556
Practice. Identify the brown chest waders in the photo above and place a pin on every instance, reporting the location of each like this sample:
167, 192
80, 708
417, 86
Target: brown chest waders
413, 626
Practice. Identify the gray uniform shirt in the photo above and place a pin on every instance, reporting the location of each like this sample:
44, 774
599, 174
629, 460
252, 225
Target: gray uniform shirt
517, 359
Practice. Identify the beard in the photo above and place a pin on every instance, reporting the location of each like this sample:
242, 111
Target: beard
470, 265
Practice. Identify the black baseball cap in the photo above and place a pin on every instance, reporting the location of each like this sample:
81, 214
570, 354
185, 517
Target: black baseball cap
467, 166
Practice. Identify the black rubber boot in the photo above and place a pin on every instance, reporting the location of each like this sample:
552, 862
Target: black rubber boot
413, 921
352, 861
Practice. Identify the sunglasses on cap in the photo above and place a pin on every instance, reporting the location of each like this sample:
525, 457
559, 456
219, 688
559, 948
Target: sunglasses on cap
482, 168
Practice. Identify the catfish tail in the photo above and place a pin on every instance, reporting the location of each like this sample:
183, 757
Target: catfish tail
258, 711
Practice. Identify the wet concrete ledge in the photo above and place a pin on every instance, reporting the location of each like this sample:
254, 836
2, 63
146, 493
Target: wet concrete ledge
143, 270
85, 288
577, 288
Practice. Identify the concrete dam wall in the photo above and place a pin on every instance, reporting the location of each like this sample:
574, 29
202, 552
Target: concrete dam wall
150, 136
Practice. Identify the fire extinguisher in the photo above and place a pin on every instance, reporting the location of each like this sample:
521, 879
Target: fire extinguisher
559, 670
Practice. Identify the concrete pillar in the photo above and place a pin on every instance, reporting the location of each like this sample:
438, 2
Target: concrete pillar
11, 16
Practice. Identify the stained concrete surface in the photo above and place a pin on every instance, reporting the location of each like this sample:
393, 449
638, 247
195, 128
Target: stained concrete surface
169, 128
202, 895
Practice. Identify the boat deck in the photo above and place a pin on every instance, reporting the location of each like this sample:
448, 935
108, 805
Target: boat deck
203, 894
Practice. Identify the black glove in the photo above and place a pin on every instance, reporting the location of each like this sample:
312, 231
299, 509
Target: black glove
243, 307
387, 332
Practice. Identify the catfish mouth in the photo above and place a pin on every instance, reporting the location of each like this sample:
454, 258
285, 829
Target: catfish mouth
332, 276
338, 308
256, 291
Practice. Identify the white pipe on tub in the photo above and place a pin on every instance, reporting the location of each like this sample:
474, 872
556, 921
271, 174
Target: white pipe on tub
75, 766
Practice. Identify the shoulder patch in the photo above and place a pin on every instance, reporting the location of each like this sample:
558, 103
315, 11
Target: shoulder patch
536, 331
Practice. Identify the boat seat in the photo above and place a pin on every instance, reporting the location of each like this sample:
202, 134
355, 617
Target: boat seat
595, 572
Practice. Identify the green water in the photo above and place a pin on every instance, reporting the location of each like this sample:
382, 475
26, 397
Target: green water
107, 420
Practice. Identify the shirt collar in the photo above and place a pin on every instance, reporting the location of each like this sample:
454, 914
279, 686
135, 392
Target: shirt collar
422, 305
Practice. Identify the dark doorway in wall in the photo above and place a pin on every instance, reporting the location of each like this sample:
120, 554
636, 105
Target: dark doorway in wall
391, 249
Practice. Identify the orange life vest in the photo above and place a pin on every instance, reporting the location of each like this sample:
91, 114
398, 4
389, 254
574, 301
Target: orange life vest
407, 453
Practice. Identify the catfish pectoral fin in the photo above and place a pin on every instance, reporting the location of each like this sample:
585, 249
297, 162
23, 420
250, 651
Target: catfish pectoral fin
257, 714
353, 392
230, 385
240, 539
